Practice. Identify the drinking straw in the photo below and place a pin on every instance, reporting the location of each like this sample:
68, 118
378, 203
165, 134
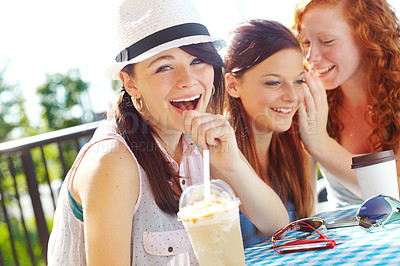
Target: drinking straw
206, 167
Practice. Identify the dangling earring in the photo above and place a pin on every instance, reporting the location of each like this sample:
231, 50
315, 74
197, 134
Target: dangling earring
140, 104
213, 90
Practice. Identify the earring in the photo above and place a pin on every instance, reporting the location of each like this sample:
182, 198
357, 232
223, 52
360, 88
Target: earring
213, 90
140, 104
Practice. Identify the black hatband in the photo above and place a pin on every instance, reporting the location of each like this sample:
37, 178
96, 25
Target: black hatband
161, 37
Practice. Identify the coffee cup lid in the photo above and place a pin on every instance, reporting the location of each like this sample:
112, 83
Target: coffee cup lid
372, 158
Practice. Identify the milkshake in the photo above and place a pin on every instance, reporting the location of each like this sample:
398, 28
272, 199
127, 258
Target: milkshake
213, 225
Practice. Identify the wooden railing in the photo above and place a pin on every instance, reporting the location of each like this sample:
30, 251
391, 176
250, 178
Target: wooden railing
24, 176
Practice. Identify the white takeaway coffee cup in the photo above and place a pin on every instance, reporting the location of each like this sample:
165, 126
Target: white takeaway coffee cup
376, 174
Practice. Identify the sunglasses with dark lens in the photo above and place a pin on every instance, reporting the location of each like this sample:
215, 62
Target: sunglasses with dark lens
315, 222
377, 211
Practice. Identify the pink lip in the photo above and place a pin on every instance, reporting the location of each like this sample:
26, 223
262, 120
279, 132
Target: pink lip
323, 74
180, 111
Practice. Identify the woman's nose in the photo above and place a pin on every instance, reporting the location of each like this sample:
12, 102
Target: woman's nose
185, 78
313, 54
290, 94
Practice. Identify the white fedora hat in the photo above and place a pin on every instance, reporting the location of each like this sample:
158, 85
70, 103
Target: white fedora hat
148, 27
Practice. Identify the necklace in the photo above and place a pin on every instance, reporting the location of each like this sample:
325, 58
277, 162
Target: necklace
352, 133
369, 109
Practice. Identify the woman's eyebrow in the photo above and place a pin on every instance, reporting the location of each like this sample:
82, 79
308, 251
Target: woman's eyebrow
165, 57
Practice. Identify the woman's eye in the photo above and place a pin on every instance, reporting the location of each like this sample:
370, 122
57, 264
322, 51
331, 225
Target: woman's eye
197, 61
300, 81
327, 42
163, 68
272, 83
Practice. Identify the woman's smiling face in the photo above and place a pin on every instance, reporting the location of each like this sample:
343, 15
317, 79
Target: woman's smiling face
272, 90
329, 46
170, 83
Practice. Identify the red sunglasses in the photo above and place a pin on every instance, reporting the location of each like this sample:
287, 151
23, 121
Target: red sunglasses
322, 242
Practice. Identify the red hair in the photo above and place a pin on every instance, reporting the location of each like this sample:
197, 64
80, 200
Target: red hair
376, 30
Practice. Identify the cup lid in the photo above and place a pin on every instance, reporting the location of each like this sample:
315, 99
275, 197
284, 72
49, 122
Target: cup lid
372, 158
195, 193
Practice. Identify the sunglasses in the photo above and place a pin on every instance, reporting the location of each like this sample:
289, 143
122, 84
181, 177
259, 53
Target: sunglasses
315, 222
377, 211
310, 225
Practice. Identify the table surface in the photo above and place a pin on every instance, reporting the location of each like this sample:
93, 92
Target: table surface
381, 246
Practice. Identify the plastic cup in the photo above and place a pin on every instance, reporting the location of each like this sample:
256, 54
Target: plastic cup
213, 226
376, 174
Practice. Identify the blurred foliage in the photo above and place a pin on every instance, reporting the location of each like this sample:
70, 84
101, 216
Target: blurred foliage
20, 243
53, 161
116, 85
12, 113
65, 103
61, 100
8, 186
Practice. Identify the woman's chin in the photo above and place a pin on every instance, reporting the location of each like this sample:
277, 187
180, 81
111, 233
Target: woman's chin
280, 128
330, 85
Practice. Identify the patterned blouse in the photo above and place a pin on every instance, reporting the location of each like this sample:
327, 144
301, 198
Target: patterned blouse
157, 238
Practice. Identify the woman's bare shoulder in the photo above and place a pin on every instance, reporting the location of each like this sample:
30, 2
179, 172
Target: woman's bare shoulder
108, 163
110, 154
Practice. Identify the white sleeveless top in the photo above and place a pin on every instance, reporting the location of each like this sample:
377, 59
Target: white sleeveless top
157, 238
338, 194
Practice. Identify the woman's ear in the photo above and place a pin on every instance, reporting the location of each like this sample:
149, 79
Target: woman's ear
231, 85
129, 84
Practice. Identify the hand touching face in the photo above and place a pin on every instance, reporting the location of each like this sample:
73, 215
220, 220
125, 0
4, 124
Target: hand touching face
330, 48
168, 84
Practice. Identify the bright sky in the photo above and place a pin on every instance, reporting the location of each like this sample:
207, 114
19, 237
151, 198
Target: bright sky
52, 36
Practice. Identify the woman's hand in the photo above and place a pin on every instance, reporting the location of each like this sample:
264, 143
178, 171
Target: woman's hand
259, 201
313, 116
214, 133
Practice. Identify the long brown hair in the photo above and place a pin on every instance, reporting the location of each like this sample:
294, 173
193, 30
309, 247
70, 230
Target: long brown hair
251, 43
377, 32
140, 136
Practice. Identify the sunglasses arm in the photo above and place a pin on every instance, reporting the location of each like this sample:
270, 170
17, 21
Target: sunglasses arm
303, 245
395, 215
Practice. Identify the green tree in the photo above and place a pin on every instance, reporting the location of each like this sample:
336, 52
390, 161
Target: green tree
65, 103
61, 98
116, 85
14, 124
13, 118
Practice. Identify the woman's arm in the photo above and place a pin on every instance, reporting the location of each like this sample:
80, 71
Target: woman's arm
313, 120
259, 201
397, 153
107, 186
312, 174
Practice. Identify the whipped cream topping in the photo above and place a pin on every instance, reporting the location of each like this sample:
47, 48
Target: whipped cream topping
203, 209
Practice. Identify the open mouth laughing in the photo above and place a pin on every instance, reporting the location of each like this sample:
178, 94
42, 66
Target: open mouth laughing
184, 104
283, 110
324, 70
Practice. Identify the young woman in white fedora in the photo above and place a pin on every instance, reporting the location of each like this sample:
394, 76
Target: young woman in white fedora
119, 201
